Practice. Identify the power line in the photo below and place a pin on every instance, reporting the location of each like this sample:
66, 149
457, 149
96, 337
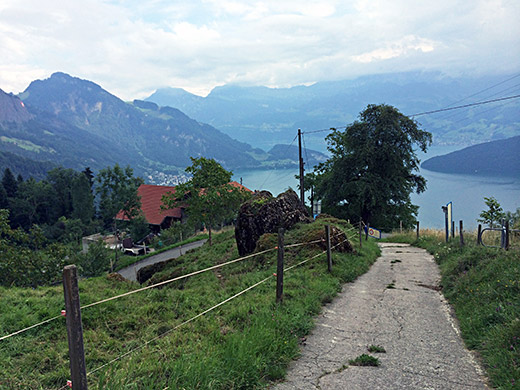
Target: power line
486, 89
466, 105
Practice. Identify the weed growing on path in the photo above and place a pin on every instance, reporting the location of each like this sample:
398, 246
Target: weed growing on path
364, 360
376, 349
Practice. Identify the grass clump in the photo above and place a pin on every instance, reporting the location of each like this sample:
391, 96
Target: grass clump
376, 349
244, 343
364, 360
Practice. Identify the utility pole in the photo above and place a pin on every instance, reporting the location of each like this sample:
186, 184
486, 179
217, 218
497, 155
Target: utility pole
302, 191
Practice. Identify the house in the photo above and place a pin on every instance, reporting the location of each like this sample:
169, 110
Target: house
151, 201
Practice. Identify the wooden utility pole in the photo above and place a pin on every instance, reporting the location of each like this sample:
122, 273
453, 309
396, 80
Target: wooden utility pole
279, 267
302, 191
74, 328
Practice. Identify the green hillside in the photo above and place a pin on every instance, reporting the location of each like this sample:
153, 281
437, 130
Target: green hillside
245, 343
495, 158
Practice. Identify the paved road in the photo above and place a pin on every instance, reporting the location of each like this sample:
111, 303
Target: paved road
130, 272
412, 321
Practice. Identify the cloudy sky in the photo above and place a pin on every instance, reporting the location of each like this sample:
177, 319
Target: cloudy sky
132, 47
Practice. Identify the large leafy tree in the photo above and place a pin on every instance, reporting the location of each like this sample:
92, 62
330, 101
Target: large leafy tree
209, 196
372, 169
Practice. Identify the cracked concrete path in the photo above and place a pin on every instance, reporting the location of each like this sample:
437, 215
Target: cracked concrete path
396, 305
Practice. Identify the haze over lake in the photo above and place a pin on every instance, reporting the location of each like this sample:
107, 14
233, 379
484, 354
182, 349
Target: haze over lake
466, 192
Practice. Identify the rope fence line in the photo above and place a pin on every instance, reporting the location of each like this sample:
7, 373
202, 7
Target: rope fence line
155, 285
30, 327
177, 278
179, 325
139, 290
207, 310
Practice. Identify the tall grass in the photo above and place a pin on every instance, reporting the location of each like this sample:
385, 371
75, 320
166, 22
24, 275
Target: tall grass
483, 285
244, 344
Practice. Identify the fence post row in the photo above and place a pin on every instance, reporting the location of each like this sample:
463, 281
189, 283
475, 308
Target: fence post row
329, 255
279, 267
74, 328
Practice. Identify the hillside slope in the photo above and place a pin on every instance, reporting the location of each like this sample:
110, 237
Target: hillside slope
495, 158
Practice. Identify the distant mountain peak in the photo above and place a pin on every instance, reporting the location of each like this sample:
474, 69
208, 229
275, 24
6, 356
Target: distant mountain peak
12, 109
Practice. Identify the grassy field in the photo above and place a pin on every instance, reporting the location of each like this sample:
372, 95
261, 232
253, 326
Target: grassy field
244, 344
483, 285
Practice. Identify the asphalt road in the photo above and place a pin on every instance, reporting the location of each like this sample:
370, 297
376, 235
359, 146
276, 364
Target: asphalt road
396, 305
130, 272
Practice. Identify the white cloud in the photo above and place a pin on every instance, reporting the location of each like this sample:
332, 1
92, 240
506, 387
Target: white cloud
131, 47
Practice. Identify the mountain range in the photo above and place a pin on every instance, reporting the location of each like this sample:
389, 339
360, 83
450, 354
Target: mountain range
64, 120
264, 116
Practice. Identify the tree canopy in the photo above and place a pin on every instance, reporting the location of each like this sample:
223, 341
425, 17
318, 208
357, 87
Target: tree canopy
371, 172
117, 189
209, 197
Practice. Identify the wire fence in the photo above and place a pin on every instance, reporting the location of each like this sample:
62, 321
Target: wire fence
344, 233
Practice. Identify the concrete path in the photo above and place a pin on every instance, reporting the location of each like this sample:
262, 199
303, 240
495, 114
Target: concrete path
130, 272
395, 305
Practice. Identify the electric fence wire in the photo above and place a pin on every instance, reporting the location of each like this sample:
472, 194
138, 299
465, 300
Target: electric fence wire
139, 290
146, 288
205, 312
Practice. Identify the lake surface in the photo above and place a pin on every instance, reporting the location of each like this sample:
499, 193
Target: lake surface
466, 192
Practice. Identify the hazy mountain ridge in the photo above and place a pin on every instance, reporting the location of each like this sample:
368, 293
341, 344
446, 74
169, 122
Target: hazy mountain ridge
76, 123
495, 158
266, 116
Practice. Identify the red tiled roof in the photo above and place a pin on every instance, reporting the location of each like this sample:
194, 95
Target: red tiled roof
151, 204
151, 201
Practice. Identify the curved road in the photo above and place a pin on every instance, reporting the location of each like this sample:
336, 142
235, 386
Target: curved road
130, 272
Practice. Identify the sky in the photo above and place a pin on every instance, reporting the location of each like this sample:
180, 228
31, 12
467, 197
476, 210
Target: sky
133, 47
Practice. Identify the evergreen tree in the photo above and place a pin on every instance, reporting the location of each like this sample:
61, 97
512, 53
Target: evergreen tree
9, 182
82, 199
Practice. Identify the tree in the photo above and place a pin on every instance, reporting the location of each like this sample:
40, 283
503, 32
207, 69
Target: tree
371, 172
82, 199
9, 182
493, 214
209, 197
117, 189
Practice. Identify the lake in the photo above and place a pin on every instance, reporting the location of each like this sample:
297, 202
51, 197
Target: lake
466, 192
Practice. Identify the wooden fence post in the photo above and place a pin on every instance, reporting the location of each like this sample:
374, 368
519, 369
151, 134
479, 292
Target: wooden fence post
329, 256
417, 229
479, 234
506, 243
461, 233
452, 229
74, 328
401, 227
360, 233
279, 267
